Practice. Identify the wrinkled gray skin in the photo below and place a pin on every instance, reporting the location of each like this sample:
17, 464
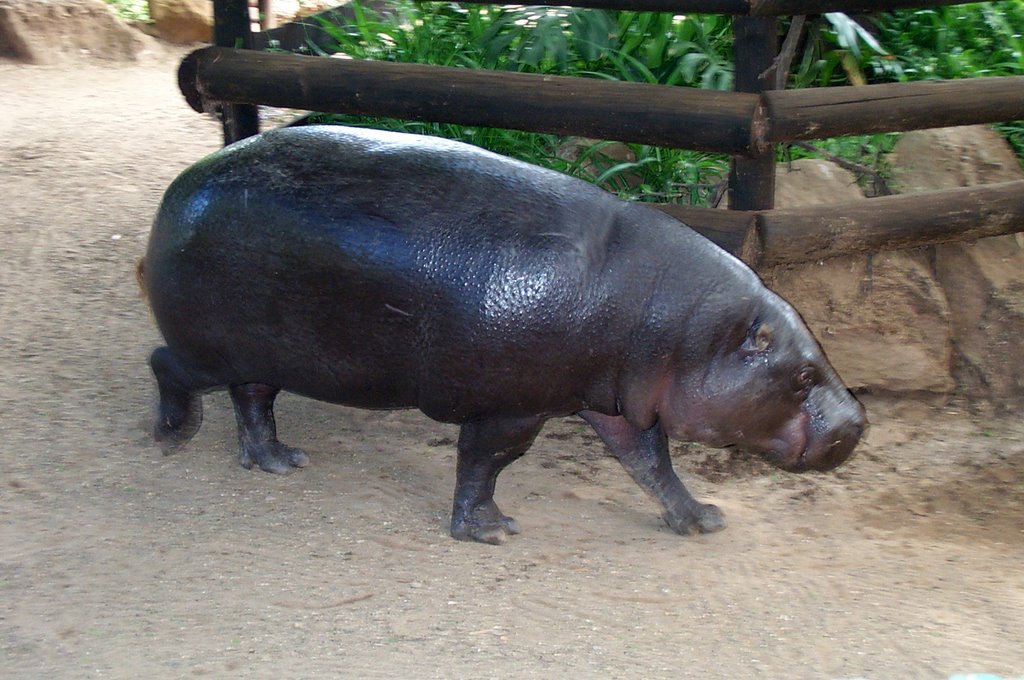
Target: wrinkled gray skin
384, 271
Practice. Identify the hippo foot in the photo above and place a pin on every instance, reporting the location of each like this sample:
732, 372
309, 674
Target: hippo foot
272, 457
178, 421
706, 520
484, 524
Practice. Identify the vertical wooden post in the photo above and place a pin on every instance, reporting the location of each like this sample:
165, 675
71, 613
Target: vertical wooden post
231, 29
267, 18
755, 45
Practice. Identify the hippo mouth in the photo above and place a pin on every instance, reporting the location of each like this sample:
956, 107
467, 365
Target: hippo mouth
787, 449
808, 441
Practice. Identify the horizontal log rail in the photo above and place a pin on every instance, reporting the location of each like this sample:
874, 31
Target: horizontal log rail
818, 113
736, 123
767, 238
633, 112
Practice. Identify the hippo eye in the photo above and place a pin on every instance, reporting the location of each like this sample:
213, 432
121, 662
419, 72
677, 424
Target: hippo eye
763, 337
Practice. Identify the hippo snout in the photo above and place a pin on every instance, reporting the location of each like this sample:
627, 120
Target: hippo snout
821, 435
836, 423
837, 448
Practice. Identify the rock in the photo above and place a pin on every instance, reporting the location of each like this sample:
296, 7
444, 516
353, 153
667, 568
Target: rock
182, 21
946, 158
53, 31
882, 319
808, 181
984, 281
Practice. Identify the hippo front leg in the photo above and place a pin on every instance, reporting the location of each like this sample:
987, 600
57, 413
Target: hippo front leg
486, 447
644, 454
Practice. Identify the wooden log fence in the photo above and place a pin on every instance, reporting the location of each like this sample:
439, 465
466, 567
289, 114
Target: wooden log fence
649, 114
765, 238
745, 123
737, 123
818, 113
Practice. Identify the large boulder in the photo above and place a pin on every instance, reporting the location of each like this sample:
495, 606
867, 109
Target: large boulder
191, 21
947, 158
808, 181
182, 21
882, 319
983, 281
52, 31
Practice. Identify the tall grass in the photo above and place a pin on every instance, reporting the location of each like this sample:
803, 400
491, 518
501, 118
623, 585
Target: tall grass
692, 51
960, 41
634, 46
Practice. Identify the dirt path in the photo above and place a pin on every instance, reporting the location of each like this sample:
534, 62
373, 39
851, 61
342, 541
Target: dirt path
118, 562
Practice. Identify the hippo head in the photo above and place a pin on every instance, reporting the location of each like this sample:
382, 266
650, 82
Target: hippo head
765, 385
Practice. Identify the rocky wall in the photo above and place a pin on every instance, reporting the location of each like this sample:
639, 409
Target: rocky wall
938, 320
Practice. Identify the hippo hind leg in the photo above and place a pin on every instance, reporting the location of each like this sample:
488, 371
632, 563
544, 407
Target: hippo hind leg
486, 447
180, 412
257, 430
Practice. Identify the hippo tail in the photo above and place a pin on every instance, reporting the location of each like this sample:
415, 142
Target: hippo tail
140, 278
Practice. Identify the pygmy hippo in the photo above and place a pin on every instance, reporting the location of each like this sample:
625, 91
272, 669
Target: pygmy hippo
384, 270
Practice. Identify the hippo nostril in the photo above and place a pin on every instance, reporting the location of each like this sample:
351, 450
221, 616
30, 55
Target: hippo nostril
854, 432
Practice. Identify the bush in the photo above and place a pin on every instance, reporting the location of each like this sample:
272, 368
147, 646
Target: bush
635, 46
692, 51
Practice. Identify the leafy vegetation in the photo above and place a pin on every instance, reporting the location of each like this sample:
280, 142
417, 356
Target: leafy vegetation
960, 41
131, 10
634, 46
694, 51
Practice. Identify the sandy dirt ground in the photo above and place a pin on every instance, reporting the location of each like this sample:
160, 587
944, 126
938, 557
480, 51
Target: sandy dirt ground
116, 561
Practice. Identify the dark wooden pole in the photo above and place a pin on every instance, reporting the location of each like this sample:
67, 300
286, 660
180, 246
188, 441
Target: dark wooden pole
739, 123
735, 231
817, 113
890, 223
755, 44
231, 29
811, 233
634, 112
267, 18
795, 7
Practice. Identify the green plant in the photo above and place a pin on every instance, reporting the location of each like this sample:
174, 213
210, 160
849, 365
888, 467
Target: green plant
1014, 133
692, 50
653, 47
636, 46
131, 10
864, 155
959, 41
838, 50
945, 42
